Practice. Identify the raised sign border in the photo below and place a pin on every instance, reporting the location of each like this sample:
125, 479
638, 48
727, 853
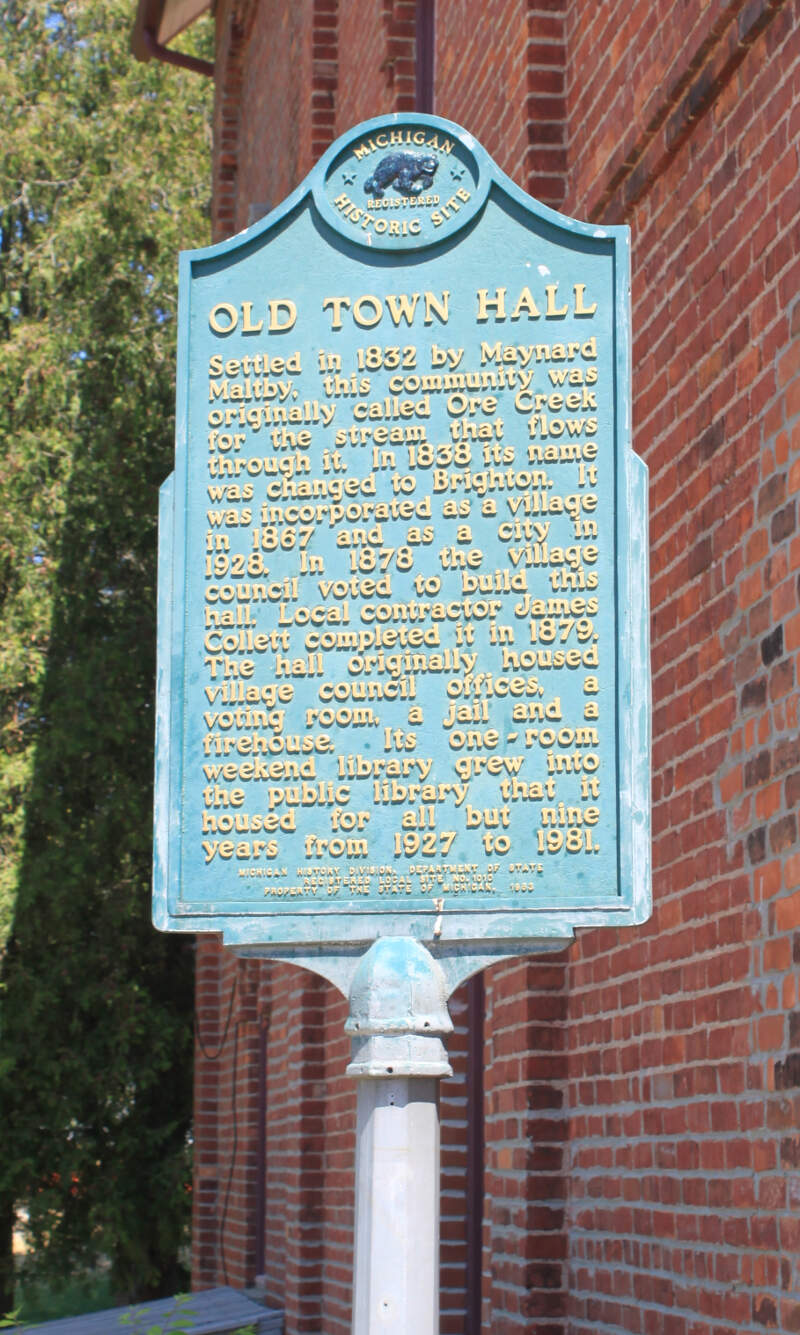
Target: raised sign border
307, 929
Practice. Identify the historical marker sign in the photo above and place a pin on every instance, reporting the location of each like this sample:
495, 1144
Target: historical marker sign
403, 682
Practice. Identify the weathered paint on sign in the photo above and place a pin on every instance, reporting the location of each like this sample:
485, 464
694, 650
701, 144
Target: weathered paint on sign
403, 670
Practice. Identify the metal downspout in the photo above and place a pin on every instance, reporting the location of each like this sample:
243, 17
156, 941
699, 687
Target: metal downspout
165, 54
476, 1146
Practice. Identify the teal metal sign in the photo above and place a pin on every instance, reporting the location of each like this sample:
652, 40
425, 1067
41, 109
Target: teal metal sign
403, 660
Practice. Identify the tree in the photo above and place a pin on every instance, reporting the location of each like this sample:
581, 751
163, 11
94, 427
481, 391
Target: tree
104, 176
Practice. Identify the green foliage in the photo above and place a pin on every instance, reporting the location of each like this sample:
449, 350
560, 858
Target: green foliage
140, 1323
104, 176
81, 1293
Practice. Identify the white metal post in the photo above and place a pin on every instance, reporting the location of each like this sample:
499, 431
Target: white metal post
398, 1014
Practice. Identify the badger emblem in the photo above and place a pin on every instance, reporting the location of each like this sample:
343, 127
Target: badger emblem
409, 173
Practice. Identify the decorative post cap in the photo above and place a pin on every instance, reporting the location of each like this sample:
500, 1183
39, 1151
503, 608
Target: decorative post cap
398, 1012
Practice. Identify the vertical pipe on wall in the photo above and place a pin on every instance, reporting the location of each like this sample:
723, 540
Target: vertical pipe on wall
476, 1144
425, 49
261, 1149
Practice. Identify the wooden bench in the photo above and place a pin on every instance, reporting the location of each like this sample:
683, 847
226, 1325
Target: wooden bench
212, 1312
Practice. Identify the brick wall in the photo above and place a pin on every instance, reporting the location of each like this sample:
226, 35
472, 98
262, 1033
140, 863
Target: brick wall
683, 1088
290, 77
642, 1113
376, 54
524, 1243
503, 77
